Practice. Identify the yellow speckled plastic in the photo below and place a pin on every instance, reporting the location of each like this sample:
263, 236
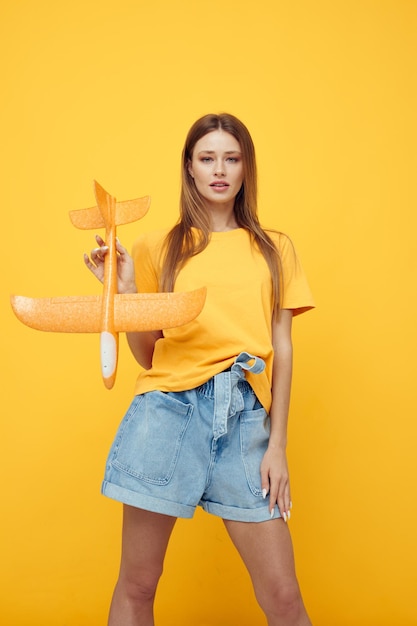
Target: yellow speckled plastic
111, 312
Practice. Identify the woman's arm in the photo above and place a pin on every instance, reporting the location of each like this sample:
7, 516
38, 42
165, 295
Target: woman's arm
274, 468
141, 343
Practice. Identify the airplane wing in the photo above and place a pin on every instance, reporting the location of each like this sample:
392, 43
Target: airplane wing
132, 312
156, 311
69, 314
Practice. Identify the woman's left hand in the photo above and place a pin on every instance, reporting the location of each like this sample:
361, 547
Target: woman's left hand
276, 482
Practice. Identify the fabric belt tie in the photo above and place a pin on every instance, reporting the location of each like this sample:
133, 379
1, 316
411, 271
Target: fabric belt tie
228, 397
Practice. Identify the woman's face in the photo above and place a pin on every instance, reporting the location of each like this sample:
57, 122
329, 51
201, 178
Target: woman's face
217, 169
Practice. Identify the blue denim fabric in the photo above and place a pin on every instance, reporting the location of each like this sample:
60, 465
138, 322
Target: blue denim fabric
202, 447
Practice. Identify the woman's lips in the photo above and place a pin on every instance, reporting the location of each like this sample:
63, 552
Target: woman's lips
219, 185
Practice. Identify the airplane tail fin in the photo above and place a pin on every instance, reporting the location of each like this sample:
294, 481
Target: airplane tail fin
126, 212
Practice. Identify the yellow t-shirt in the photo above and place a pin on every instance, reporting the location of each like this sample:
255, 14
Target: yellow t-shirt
237, 314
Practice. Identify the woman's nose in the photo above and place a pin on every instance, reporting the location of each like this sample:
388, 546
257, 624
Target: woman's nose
219, 168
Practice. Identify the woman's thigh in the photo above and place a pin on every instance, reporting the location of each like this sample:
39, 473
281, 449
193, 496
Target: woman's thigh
266, 549
144, 542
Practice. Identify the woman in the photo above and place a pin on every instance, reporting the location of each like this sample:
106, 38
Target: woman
208, 422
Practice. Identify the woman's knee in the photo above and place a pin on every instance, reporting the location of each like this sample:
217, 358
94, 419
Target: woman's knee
281, 600
140, 586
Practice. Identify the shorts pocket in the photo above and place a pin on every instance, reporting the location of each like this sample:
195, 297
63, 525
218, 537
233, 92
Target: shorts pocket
254, 437
151, 435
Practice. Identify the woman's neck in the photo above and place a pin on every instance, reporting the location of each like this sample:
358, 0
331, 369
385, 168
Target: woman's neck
223, 220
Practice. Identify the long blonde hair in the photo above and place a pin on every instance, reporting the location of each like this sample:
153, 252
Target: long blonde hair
181, 243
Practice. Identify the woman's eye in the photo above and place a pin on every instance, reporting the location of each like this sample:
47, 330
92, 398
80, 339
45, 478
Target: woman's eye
206, 159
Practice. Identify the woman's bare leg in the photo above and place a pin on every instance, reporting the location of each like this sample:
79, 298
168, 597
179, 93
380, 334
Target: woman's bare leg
266, 550
144, 543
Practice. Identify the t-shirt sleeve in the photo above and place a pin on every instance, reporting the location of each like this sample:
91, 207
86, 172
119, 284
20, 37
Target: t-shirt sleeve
146, 273
296, 291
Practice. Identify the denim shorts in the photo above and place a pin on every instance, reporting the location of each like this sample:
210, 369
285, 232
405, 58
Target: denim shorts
176, 450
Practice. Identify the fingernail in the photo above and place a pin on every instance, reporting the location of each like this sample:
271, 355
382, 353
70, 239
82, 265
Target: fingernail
290, 505
288, 514
272, 513
264, 492
284, 515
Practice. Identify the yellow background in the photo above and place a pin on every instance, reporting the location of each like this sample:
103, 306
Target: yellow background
108, 90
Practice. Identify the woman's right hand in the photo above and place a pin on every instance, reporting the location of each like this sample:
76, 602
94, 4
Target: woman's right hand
125, 266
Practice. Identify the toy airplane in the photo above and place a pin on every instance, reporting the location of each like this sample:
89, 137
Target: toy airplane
111, 312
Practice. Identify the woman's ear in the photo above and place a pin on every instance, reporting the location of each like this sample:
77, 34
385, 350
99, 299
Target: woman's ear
190, 169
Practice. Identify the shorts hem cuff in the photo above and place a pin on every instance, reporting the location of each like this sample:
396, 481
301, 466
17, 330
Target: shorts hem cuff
235, 514
148, 503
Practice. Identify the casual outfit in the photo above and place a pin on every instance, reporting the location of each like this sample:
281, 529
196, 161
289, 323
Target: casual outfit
197, 429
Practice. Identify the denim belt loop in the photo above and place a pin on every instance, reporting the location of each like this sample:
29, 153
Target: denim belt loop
228, 398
